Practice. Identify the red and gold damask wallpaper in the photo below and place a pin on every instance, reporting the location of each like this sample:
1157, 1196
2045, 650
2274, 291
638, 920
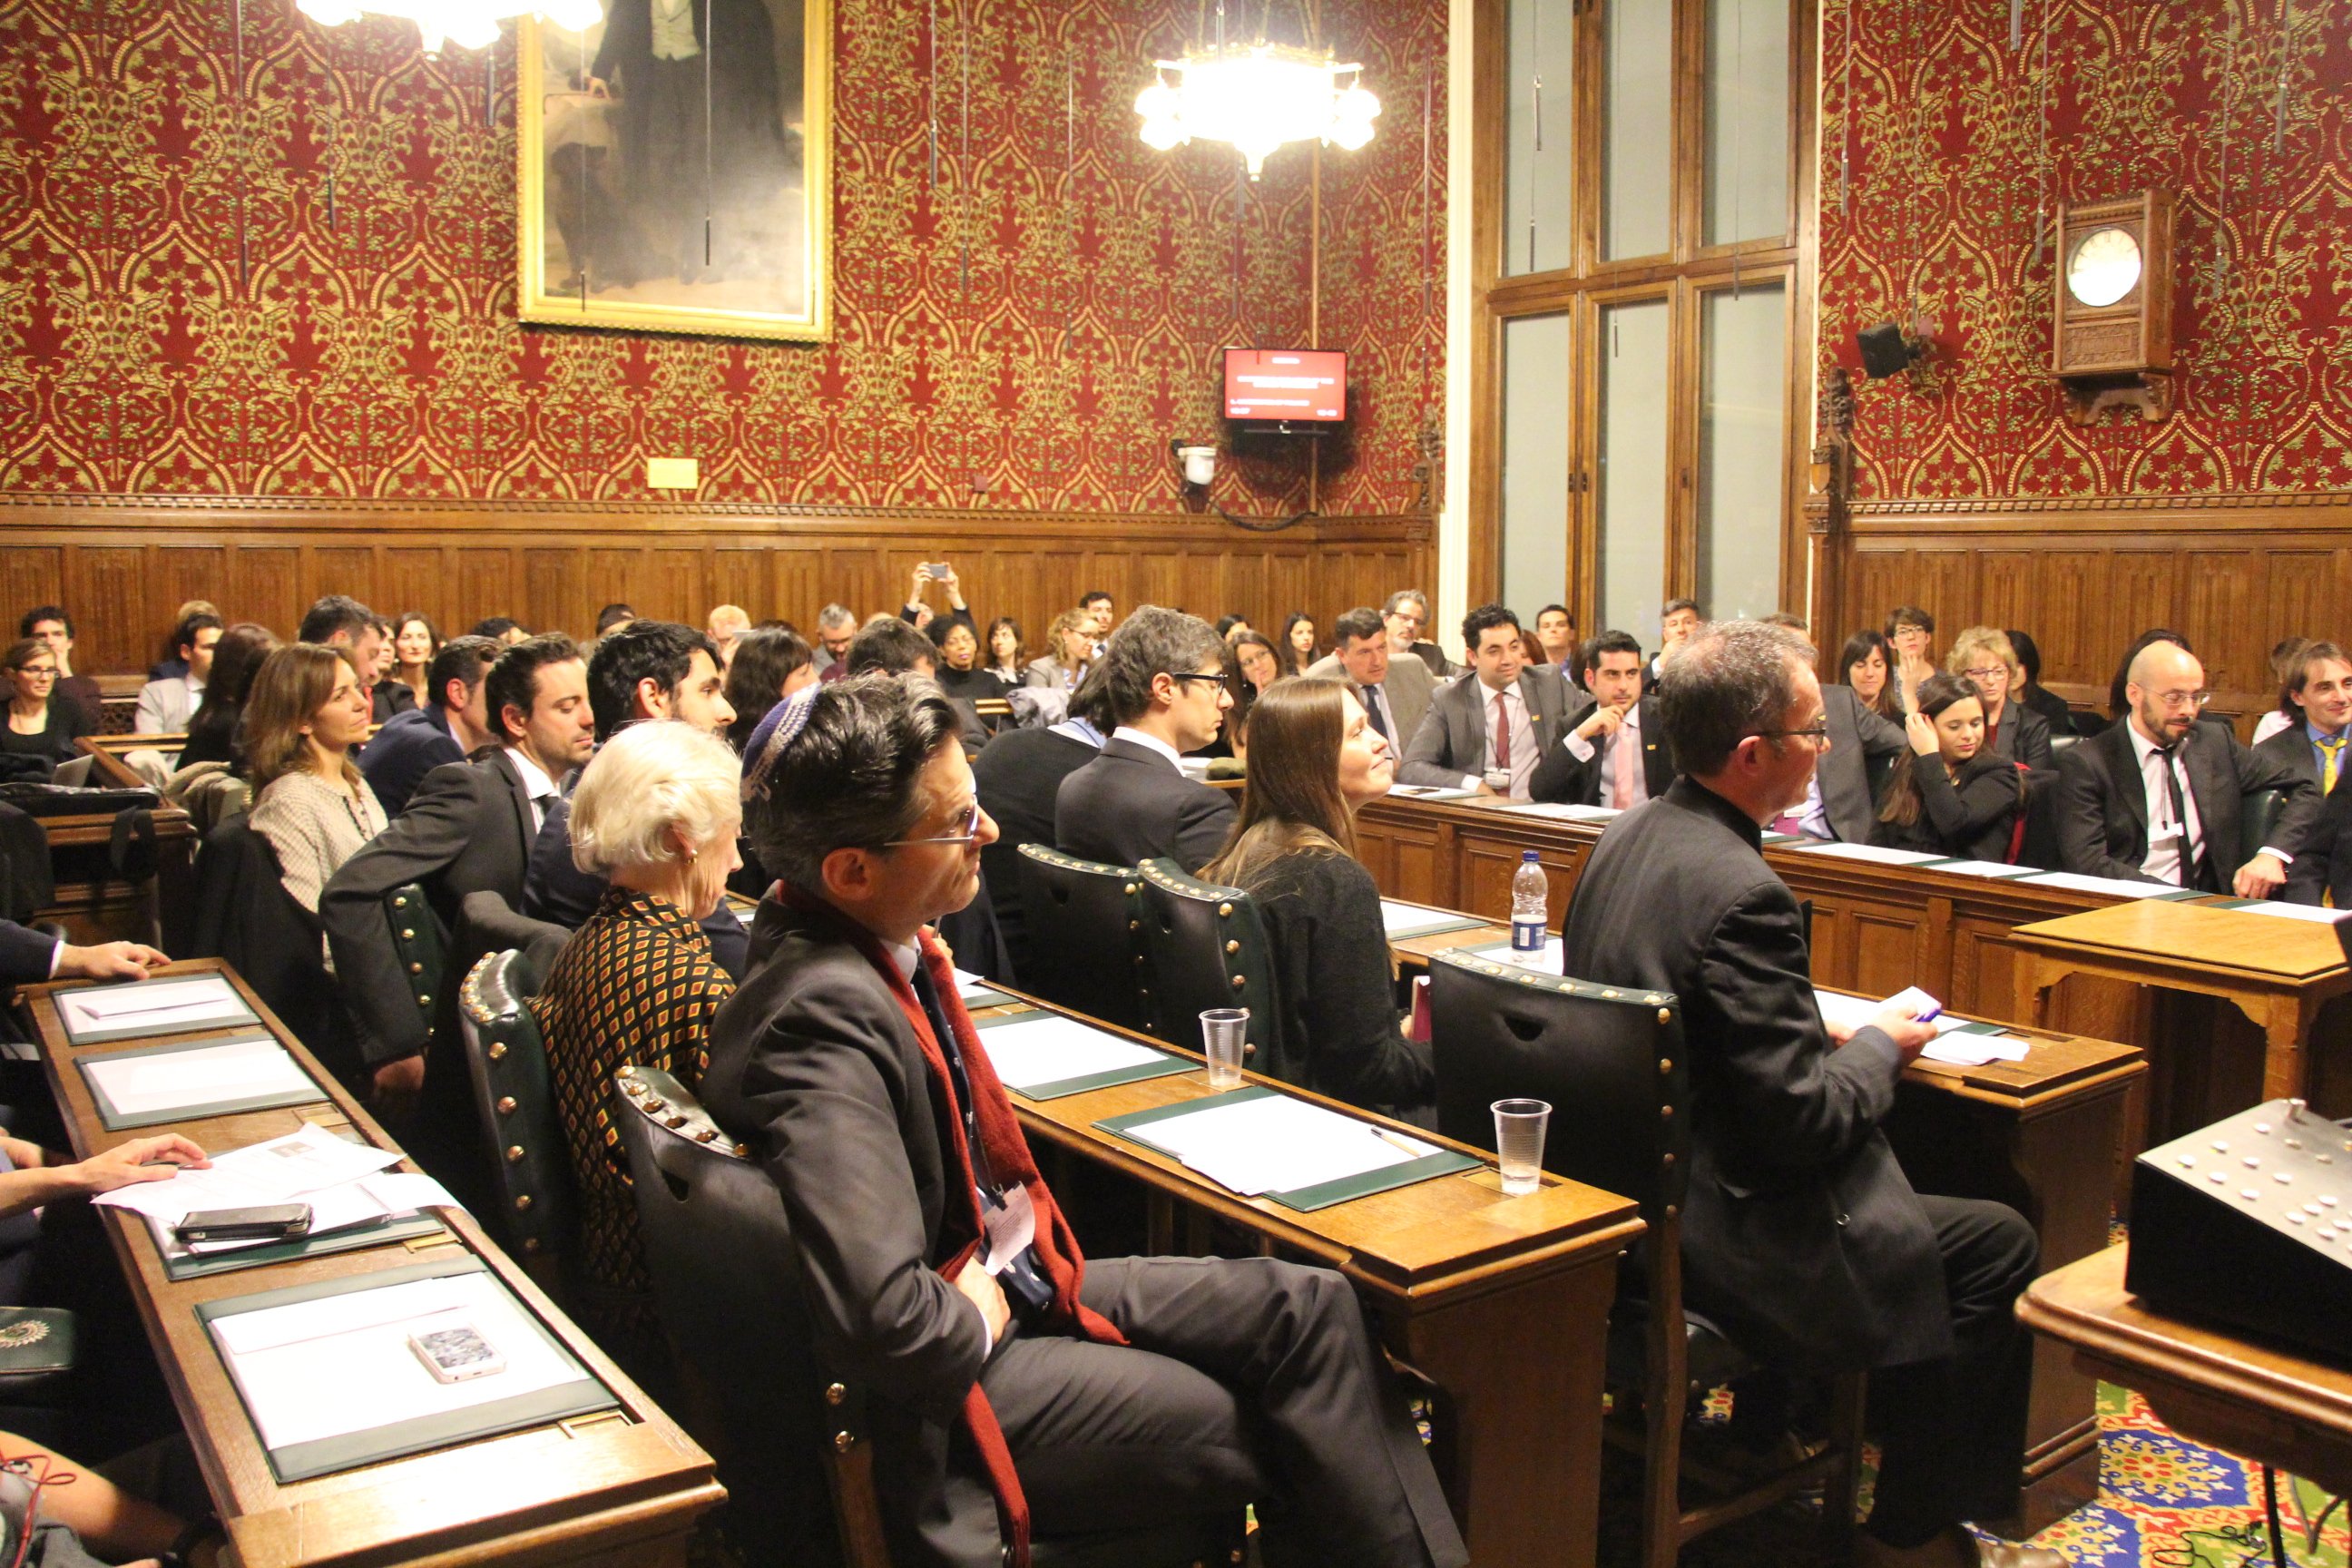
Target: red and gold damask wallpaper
1947, 143
300, 281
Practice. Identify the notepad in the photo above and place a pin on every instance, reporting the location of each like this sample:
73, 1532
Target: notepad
1873, 853
1984, 868
1044, 1056
1854, 1011
369, 1201
1403, 920
2113, 887
1275, 1143
1957, 1042
1559, 812
95, 1015
148, 1085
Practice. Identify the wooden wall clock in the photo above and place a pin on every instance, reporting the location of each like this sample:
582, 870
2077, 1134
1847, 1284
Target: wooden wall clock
2113, 345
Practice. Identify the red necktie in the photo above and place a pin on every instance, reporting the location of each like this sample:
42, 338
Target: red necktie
1502, 735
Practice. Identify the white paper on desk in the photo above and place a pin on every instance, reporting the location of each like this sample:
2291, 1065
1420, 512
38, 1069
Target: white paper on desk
2113, 887
341, 1363
1052, 1048
1561, 812
1854, 1011
970, 986
188, 1004
1973, 1050
1431, 792
1547, 962
1401, 919
205, 1075
2310, 913
1277, 1144
2001, 869
1870, 852
392, 1195
262, 1174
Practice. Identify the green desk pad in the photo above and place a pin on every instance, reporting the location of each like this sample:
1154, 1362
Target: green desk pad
106, 1033
351, 1238
1445, 1163
302, 1461
1165, 1067
118, 1121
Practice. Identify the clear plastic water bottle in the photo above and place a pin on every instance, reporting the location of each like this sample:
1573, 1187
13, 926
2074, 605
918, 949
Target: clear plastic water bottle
1530, 894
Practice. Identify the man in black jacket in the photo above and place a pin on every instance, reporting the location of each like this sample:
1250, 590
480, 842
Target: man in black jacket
1019, 774
2158, 798
1613, 726
1802, 1241
938, 1272
468, 828
450, 728
1162, 676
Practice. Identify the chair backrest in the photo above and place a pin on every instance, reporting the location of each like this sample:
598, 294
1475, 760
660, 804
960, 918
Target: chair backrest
2040, 847
487, 925
1085, 936
242, 913
720, 1248
2063, 741
2257, 821
1206, 946
423, 946
514, 1101
1607, 1059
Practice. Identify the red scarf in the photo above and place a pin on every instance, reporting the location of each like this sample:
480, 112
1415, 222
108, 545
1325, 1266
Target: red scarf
1008, 1161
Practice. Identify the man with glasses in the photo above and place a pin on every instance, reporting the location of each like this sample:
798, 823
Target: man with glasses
836, 628
1802, 1240
1403, 618
1163, 683
2158, 798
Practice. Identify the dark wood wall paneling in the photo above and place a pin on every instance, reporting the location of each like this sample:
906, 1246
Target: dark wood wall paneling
2234, 575
123, 566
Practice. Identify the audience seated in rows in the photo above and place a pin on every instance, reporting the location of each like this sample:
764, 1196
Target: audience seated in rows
172, 664
960, 670
1911, 637
1006, 652
1395, 692
2286, 657
451, 726
2315, 715
1069, 651
1867, 664
837, 626
2033, 694
727, 623
51, 625
1490, 732
503, 630
770, 662
1162, 676
1866, 735
213, 734
1315, 761
1951, 794
1019, 776
1556, 639
307, 714
1403, 618
41, 724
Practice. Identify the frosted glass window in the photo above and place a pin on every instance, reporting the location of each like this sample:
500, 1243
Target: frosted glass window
1746, 119
1637, 171
1535, 462
1540, 182
1744, 367
1632, 483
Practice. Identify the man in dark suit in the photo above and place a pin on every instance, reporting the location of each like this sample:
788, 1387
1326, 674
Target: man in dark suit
1489, 732
2317, 703
1163, 681
646, 671
1019, 775
1395, 692
1841, 804
1403, 617
941, 1274
2158, 798
468, 828
1614, 752
1802, 1240
449, 729
1678, 621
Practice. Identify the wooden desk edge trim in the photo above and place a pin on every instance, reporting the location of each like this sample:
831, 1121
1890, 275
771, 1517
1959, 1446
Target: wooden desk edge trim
2132, 1357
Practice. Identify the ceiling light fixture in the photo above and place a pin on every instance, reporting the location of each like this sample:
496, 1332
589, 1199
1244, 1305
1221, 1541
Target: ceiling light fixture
1259, 97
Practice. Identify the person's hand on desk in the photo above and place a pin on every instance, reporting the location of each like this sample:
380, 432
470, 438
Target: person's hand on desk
980, 1289
1601, 722
108, 960
2261, 876
397, 1084
156, 1159
1910, 1034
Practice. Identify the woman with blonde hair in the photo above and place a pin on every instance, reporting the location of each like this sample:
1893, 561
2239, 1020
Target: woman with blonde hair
305, 715
1313, 760
656, 814
1983, 656
1071, 644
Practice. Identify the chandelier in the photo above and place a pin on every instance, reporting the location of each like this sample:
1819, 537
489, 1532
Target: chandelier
1258, 97
469, 24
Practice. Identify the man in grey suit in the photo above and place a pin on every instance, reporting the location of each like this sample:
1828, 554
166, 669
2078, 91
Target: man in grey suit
1840, 804
1396, 691
1802, 1240
2318, 704
1489, 732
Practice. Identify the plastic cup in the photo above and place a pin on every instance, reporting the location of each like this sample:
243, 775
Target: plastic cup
1222, 1029
1519, 1126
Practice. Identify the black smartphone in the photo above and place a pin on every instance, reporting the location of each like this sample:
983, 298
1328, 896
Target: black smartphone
277, 1221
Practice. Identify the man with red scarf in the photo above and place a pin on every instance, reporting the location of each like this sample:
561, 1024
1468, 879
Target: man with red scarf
1017, 1388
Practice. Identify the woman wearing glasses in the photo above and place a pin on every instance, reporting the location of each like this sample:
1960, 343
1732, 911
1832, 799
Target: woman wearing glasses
1985, 656
40, 723
1951, 795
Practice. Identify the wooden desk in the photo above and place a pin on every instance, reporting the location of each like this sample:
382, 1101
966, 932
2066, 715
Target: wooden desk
2272, 1405
597, 1490
1502, 1301
91, 902
2278, 972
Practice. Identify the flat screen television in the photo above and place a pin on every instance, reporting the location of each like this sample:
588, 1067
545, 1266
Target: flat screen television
1287, 386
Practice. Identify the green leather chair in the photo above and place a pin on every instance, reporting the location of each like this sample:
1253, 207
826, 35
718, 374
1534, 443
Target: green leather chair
1085, 936
522, 1132
423, 946
1207, 948
2258, 815
790, 1432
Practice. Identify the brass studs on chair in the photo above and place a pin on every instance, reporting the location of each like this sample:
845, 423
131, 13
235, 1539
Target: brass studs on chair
1232, 947
844, 1441
1132, 889
400, 903
742, 1151
497, 1050
423, 1000
530, 1244
1665, 1066
656, 1103
506, 1105
407, 934
1666, 1015
706, 1135
522, 1204
1666, 1113
1238, 981
673, 1120
514, 1154
835, 1393
1224, 912
415, 969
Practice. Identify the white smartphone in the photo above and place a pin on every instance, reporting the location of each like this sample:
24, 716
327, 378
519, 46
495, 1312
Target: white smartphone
453, 1356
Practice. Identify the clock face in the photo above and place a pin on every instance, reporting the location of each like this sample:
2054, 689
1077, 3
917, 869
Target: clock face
2104, 268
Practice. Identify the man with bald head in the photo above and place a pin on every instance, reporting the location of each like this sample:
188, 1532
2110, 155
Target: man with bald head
2159, 797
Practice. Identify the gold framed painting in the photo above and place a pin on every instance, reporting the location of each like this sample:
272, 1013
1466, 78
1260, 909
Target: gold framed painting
675, 169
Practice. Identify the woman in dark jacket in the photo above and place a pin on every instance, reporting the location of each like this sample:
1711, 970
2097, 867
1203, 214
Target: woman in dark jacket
1950, 796
1313, 761
237, 658
40, 723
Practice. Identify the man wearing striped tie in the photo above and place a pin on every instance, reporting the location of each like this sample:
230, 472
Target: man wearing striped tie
2318, 704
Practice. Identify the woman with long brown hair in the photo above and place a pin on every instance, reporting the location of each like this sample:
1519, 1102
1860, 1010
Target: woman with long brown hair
305, 714
1951, 794
1314, 760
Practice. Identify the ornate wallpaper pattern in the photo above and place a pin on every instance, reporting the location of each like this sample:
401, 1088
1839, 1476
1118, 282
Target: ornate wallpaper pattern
1956, 147
298, 279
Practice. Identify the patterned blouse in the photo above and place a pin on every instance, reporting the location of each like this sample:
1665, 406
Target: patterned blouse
637, 984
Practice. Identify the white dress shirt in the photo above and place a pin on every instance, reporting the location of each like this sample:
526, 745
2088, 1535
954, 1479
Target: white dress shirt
1582, 749
2166, 837
536, 784
1522, 738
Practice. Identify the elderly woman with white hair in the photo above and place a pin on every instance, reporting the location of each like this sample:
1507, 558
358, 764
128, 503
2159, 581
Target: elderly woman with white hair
656, 814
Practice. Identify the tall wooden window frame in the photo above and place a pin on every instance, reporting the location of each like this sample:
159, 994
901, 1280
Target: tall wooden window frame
1683, 275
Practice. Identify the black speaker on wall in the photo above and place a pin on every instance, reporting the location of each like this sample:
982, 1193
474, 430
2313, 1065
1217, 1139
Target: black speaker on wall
1884, 350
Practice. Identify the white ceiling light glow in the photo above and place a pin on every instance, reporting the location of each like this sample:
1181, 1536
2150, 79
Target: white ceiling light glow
1258, 98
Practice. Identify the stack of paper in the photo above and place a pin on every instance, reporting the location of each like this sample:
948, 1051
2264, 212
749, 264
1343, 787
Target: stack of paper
2113, 887
1957, 1042
1429, 791
1274, 1144
1985, 869
974, 992
2310, 913
1871, 852
1037, 1052
1403, 920
345, 1184
151, 1085
1558, 812
100, 1012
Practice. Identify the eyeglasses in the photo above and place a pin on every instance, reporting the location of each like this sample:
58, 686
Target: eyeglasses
37, 671
1820, 731
970, 831
1990, 672
2174, 702
1195, 675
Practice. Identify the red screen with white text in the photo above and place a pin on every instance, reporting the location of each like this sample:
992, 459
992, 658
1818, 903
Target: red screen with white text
1286, 383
